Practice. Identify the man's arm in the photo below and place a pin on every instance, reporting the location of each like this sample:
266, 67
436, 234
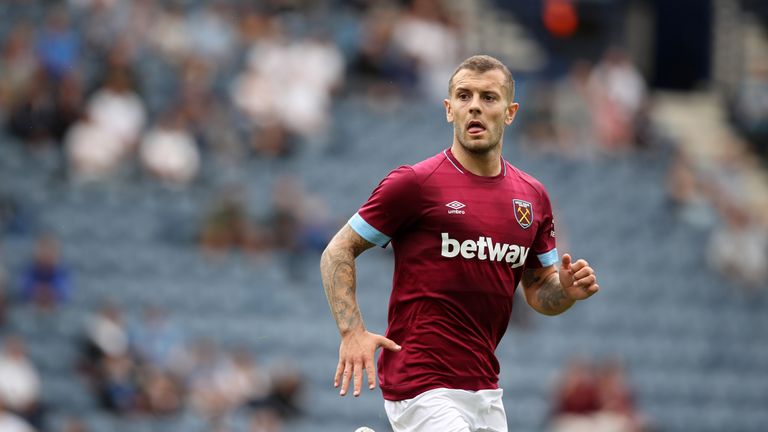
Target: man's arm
551, 291
337, 268
358, 346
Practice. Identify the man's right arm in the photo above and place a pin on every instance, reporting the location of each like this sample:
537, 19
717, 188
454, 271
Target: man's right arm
358, 346
337, 268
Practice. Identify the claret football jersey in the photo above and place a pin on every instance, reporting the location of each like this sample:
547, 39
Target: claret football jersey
461, 243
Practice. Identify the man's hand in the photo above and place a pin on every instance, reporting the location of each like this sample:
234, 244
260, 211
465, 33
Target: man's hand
577, 279
356, 354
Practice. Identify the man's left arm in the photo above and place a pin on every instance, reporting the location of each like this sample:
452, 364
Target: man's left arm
551, 291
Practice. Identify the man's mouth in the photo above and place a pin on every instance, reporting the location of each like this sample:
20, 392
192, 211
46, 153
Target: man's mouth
475, 127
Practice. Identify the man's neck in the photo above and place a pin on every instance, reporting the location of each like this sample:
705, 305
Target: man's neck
486, 165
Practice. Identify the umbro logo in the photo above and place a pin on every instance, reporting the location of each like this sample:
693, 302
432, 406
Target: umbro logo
456, 207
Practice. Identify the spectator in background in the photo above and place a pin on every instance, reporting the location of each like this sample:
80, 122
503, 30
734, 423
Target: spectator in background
32, 118
168, 33
18, 63
729, 173
120, 57
69, 105
108, 130
155, 340
107, 361
118, 109
379, 67
228, 226
218, 133
577, 398
299, 222
93, 152
252, 24
19, 382
118, 389
687, 195
4, 277
106, 336
115, 23
425, 33
235, 382
74, 424
131, 374
169, 152
619, 94
207, 388
58, 45
212, 32
751, 108
287, 214
738, 247
161, 392
265, 420
250, 383
15, 218
618, 412
572, 114
197, 100
592, 399
221, 382
102, 21
287, 87
287, 389
10, 422
46, 281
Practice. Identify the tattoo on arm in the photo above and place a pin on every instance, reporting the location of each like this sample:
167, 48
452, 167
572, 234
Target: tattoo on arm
544, 292
337, 267
551, 295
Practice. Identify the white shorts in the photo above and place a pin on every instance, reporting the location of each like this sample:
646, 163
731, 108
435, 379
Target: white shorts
449, 410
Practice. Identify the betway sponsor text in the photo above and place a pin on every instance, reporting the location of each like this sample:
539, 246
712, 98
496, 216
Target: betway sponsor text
484, 249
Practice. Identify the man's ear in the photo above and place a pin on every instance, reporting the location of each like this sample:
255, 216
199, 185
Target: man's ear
448, 111
511, 112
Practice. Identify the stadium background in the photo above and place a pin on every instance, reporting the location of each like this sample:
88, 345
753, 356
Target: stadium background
188, 160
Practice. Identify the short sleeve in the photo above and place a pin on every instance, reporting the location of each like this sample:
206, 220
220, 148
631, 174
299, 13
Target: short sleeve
544, 245
392, 206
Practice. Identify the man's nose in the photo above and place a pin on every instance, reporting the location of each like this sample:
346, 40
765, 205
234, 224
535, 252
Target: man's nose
474, 106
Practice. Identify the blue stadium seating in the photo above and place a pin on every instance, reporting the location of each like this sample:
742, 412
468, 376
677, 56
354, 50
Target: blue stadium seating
696, 350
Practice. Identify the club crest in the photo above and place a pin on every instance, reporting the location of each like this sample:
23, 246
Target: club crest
523, 212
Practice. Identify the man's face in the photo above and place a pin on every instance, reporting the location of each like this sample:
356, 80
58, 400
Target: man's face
479, 109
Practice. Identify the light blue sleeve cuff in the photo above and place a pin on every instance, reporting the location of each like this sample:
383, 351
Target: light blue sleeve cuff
548, 258
368, 232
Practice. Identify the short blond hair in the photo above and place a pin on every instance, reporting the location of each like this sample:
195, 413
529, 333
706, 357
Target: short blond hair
484, 63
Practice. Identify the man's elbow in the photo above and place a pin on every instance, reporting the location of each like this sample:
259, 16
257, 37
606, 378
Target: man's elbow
335, 248
325, 256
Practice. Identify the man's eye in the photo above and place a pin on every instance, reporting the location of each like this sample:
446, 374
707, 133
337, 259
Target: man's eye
490, 98
463, 97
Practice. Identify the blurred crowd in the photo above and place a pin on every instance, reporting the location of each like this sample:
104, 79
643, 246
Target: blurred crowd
595, 397
153, 86
158, 91
710, 195
183, 93
749, 107
136, 365
147, 366
597, 109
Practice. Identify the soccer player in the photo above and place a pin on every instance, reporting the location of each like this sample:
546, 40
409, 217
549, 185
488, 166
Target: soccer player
466, 226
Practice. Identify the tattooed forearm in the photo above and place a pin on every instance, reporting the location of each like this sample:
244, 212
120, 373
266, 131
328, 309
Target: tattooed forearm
552, 298
340, 290
545, 294
337, 267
